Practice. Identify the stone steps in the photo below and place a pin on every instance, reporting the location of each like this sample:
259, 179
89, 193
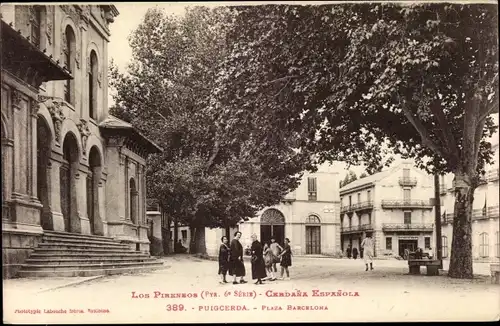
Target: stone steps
70, 255
83, 261
89, 273
79, 266
76, 236
82, 246
58, 241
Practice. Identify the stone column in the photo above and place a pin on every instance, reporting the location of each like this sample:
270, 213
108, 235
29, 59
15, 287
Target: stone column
55, 194
115, 187
102, 207
81, 194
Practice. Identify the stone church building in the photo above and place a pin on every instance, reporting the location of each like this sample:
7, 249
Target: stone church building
73, 176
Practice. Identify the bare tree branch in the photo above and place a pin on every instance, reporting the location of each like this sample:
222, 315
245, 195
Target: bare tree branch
449, 139
423, 132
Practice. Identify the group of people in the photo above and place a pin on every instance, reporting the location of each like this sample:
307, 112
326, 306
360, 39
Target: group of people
366, 251
263, 259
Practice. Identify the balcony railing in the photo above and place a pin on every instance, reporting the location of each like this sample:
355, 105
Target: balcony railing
477, 214
407, 227
492, 211
407, 182
424, 204
357, 207
357, 228
492, 175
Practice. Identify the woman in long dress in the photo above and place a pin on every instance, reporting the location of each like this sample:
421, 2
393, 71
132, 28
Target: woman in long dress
224, 258
258, 265
367, 246
236, 266
286, 259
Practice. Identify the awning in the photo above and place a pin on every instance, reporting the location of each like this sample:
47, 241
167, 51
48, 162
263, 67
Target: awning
112, 126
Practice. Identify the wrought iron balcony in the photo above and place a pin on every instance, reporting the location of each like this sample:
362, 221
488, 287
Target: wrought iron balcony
492, 175
366, 205
479, 214
492, 211
401, 204
407, 182
407, 227
357, 228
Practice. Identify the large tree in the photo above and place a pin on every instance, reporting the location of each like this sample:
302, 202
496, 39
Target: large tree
211, 173
356, 79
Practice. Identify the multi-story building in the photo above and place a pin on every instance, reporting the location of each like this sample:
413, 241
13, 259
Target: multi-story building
67, 165
394, 205
308, 216
485, 219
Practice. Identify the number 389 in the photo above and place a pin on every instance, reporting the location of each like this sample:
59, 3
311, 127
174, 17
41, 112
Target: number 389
175, 307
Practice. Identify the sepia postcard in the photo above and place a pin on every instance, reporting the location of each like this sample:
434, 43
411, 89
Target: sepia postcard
235, 162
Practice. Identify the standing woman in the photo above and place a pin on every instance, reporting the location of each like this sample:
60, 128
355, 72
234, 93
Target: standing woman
258, 265
224, 258
236, 266
286, 259
367, 246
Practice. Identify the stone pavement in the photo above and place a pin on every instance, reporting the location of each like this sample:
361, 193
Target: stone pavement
386, 294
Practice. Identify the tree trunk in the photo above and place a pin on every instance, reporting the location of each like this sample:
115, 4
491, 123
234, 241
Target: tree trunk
461, 247
199, 241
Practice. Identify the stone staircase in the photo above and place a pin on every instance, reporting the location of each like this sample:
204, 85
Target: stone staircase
68, 255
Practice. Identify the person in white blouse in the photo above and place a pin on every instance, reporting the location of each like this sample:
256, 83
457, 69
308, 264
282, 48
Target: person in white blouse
367, 246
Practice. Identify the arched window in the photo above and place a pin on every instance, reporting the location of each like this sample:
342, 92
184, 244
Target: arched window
313, 219
483, 245
69, 61
444, 244
93, 71
35, 22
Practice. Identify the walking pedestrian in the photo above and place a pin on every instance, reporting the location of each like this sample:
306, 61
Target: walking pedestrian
224, 252
236, 265
258, 264
349, 251
367, 246
268, 260
286, 259
276, 249
355, 253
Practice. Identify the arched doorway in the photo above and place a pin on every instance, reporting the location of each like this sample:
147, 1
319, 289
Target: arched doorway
93, 180
67, 174
133, 201
272, 224
313, 235
43, 149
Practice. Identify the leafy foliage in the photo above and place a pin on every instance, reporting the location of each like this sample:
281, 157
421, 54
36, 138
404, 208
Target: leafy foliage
349, 177
210, 173
357, 81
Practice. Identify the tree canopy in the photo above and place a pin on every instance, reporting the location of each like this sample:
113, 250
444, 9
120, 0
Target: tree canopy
210, 174
356, 81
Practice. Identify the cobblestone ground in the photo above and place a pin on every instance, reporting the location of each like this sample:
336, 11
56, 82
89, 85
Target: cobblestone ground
387, 293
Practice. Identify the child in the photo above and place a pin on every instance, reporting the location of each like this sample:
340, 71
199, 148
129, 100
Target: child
268, 259
286, 259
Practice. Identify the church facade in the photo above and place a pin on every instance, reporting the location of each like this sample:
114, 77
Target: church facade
67, 164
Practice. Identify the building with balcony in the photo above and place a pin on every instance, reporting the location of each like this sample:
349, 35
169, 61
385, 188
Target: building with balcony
485, 219
394, 205
308, 216
67, 165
